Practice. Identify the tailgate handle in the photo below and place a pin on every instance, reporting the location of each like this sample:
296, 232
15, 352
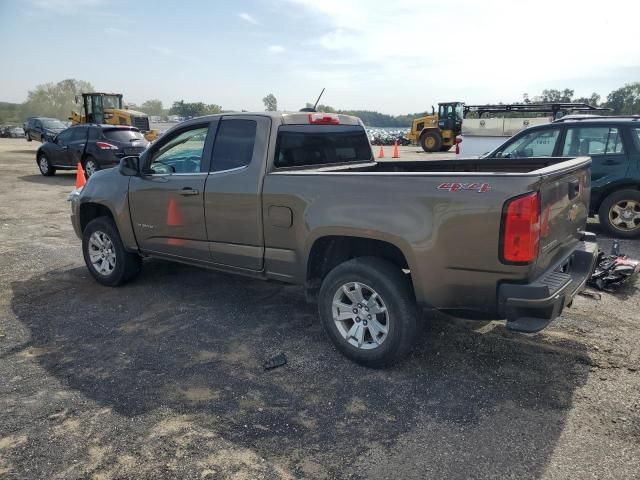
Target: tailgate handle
574, 189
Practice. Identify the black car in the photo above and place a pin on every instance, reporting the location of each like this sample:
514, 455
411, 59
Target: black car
613, 143
94, 146
42, 129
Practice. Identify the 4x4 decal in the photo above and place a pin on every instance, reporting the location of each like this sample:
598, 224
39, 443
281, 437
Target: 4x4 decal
454, 187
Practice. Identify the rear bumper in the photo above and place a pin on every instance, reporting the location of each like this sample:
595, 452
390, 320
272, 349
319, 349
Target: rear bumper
531, 307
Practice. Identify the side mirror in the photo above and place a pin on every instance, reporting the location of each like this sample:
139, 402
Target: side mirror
130, 166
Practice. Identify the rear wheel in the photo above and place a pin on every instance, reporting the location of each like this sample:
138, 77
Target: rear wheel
90, 167
431, 141
619, 214
368, 311
28, 137
45, 166
104, 254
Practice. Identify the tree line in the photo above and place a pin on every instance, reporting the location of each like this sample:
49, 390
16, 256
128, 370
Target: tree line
57, 100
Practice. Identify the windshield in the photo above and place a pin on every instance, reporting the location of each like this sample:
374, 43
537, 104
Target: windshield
123, 135
111, 101
52, 123
459, 111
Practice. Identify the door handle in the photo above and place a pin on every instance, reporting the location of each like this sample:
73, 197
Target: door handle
186, 191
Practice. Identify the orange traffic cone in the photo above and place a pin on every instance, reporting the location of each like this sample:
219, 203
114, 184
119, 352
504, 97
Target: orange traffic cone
381, 154
396, 154
174, 214
80, 178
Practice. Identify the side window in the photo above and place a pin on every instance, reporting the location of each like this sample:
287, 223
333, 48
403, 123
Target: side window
94, 134
79, 134
635, 132
64, 137
592, 141
181, 154
534, 144
234, 143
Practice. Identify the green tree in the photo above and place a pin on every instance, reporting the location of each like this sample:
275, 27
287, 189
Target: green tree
197, 109
625, 100
152, 107
552, 95
55, 99
593, 100
270, 103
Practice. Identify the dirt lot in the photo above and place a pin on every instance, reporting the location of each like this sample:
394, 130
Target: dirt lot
162, 378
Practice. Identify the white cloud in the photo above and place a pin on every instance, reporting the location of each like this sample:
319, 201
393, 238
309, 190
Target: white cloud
275, 49
116, 32
248, 18
163, 50
480, 51
66, 6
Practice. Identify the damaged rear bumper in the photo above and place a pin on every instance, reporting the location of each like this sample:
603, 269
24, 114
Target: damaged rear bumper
531, 307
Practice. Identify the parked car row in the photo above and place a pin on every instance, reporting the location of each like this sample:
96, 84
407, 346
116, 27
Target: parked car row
94, 146
11, 131
42, 129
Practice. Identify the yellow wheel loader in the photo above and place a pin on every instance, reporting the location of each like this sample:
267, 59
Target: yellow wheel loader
437, 133
107, 108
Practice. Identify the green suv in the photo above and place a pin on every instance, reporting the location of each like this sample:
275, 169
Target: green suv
613, 143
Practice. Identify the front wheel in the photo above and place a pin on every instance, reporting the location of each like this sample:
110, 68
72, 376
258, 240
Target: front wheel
45, 167
619, 214
105, 255
431, 141
368, 311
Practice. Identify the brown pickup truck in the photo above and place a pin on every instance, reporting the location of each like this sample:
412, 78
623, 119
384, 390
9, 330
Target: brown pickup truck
299, 198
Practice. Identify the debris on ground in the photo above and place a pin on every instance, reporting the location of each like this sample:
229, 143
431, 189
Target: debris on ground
275, 362
613, 270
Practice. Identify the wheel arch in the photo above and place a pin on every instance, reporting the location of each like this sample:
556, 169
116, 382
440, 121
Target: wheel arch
328, 251
609, 190
91, 210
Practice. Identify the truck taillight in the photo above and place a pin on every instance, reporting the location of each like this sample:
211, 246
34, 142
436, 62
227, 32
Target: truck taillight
324, 119
106, 146
521, 229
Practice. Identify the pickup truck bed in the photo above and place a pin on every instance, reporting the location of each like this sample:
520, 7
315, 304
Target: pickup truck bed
490, 239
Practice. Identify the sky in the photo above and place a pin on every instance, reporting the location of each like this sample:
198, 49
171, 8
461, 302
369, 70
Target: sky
395, 57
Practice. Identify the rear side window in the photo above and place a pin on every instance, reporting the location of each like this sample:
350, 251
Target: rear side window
303, 145
234, 144
592, 141
636, 137
123, 135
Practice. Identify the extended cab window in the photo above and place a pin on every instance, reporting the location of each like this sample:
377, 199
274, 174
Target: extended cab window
181, 154
592, 141
540, 143
234, 143
302, 145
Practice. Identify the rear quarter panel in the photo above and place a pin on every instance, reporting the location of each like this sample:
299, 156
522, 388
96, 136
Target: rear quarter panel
449, 237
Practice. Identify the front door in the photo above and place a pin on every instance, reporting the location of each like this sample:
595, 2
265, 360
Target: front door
609, 161
59, 150
167, 207
233, 202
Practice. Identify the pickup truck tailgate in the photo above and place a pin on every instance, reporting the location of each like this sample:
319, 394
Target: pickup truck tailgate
564, 208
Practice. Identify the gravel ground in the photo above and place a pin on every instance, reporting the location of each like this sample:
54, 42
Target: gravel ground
162, 378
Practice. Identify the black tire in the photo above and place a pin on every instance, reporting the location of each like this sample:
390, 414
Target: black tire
28, 137
127, 265
445, 148
45, 167
84, 166
607, 215
431, 141
393, 288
